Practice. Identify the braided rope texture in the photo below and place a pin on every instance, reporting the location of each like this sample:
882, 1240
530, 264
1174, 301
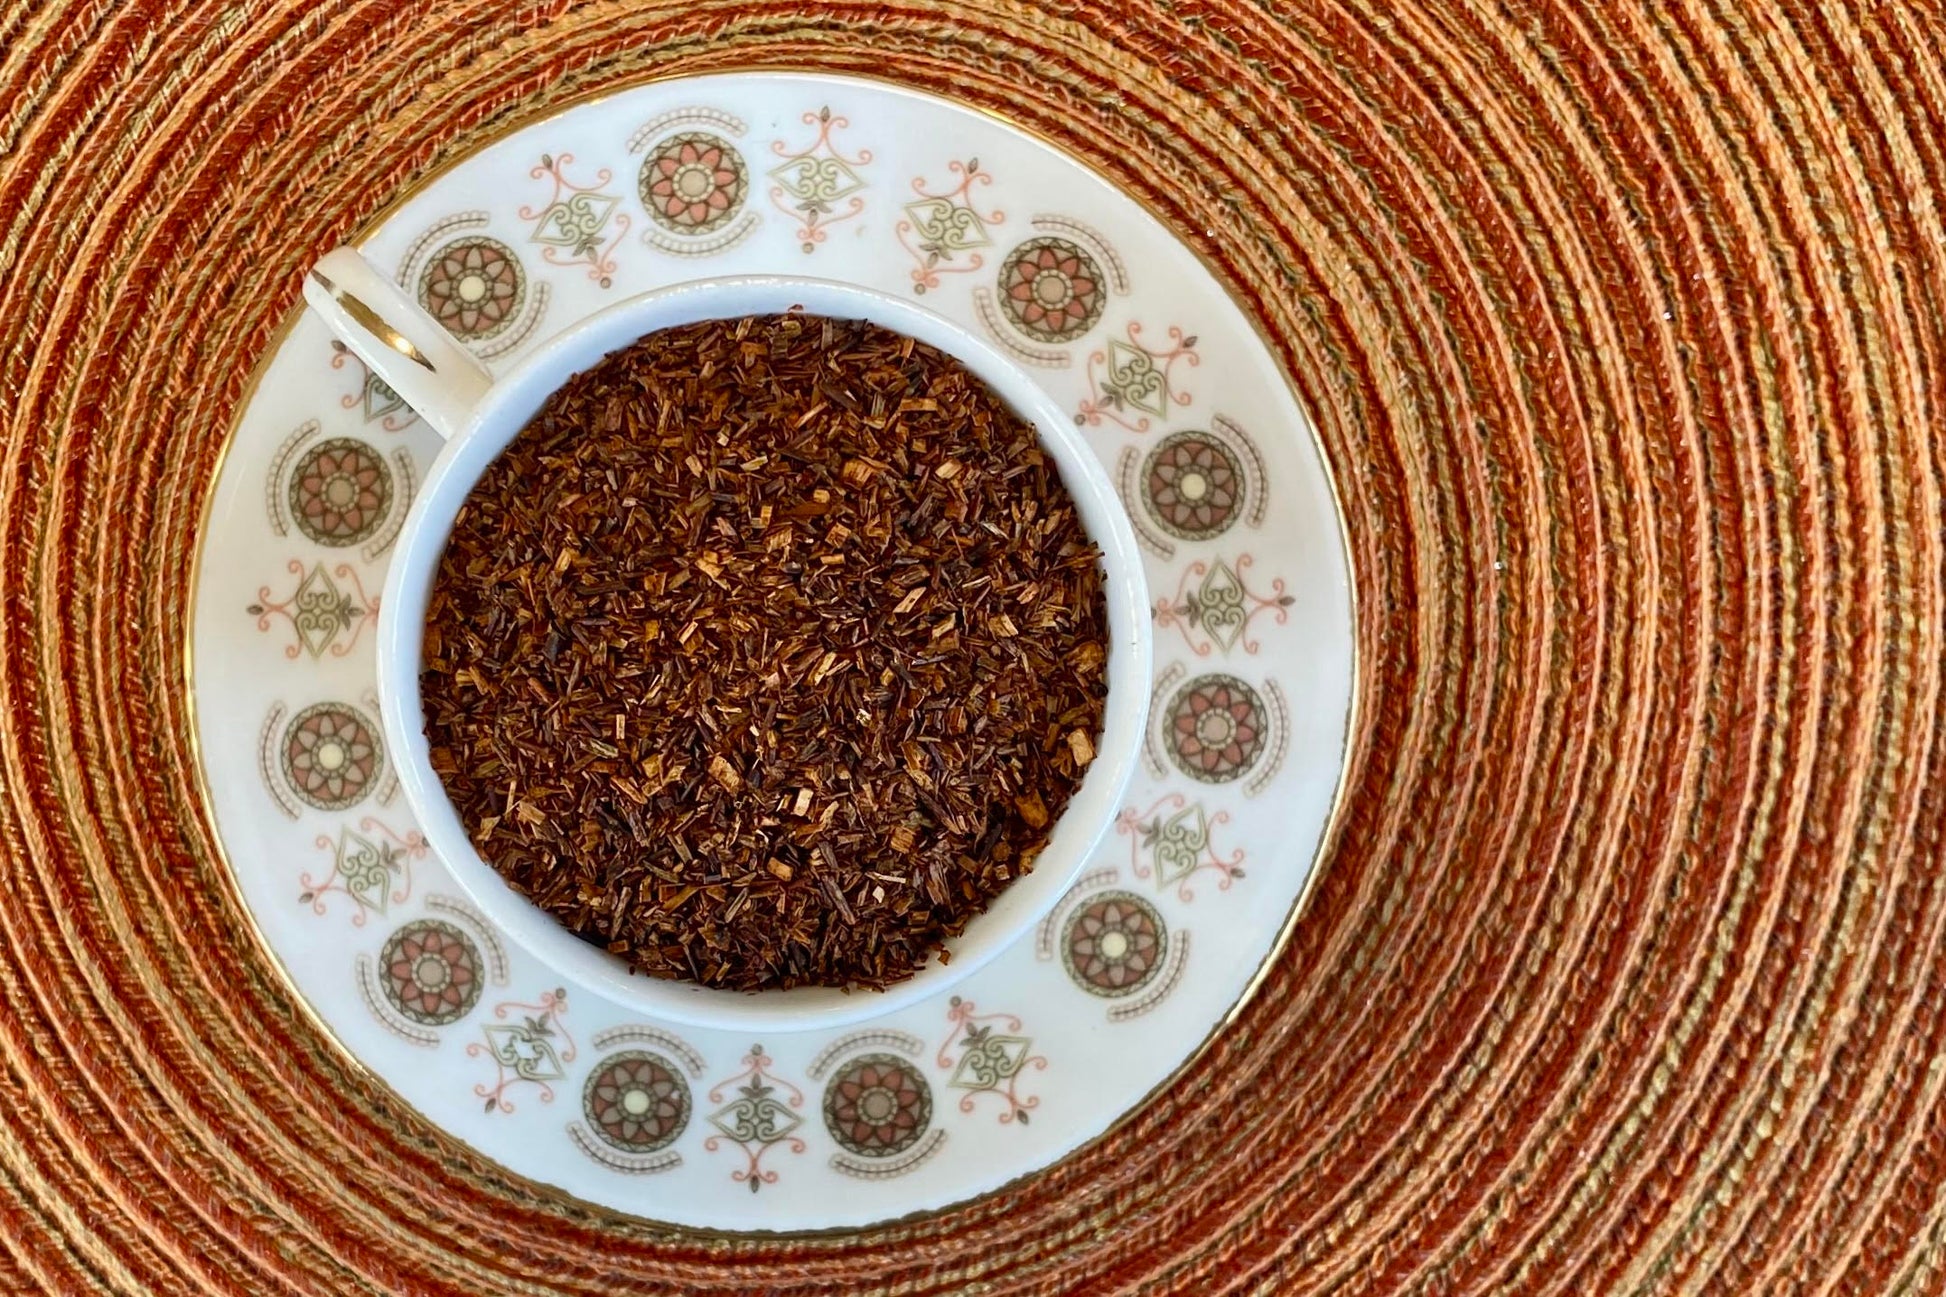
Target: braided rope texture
1624, 326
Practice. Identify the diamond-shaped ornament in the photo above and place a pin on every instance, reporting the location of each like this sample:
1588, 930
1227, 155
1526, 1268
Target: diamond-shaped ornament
989, 1060
524, 1052
362, 864
1219, 602
574, 224
322, 610
380, 400
946, 228
755, 1120
1132, 375
1179, 844
817, 182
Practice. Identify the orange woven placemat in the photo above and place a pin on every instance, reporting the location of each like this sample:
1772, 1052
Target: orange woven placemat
1625, 329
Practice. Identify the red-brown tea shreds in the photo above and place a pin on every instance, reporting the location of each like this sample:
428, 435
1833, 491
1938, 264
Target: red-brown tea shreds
768, 654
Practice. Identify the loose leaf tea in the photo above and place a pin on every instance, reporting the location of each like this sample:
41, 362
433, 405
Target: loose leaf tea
768, 653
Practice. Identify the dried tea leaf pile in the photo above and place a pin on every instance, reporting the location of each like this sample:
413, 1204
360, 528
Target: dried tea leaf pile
767, 654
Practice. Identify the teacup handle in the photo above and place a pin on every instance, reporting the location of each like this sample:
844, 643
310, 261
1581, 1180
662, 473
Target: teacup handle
397, 340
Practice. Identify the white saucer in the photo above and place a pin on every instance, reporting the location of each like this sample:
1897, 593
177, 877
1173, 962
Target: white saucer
1061, 1036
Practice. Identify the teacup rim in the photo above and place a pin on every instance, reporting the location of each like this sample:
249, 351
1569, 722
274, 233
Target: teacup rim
498, 417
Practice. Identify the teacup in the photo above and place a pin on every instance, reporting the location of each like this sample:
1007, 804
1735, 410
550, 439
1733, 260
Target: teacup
479, 414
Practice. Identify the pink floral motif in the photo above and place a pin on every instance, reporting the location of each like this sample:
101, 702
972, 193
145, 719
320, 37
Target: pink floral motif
816, 178
1194, 485
372, 865
1216, 728
940, 230
1114, 944
529, 1045
340, 492
1052, 289
992, 1057
763, 1114
1133, 381
474, 286
430, 971
694, 182
878, 1106
636, 1102
1171, 842
332, 756
1213, 606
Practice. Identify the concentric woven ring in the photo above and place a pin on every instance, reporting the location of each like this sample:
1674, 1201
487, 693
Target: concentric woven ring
1623, 328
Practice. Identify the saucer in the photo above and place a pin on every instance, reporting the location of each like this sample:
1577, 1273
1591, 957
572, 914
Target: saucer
1065, 1033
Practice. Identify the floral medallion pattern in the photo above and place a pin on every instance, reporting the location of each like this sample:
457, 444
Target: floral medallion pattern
1052, 289
430, 971
474, 286
1114, 944
636, 1101
902, 1112
467, 277
340, 492
1192, 485
1215, 728
877, 1105
693, 183
331, 756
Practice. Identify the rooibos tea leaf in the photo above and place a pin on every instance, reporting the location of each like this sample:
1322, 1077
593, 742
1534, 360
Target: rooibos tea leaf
767, 654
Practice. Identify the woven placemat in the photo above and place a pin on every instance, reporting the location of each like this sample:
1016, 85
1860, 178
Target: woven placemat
1624, 326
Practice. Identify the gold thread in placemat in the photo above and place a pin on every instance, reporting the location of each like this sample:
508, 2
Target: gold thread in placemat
1624, 327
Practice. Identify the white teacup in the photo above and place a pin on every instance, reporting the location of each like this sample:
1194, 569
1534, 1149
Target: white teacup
479, 415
